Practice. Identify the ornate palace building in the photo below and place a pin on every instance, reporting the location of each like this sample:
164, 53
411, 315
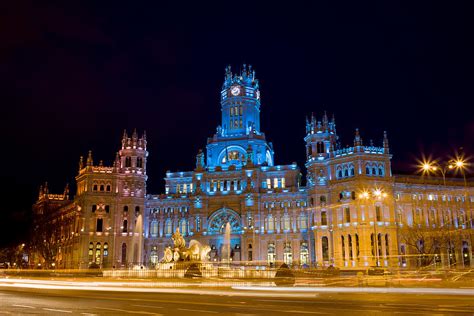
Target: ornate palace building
352, 213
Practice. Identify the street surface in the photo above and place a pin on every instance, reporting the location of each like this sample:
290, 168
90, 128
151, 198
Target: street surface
36, 299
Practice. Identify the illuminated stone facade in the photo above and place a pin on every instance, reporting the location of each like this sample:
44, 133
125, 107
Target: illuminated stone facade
352, 213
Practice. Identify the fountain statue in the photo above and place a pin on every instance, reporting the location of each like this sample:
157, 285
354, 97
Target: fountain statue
195, 252
226, 244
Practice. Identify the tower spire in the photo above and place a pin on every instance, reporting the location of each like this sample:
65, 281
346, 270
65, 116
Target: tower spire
89, 162
386, 149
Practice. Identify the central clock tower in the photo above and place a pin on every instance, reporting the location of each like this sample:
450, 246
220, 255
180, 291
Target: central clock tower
240, 102
238, 139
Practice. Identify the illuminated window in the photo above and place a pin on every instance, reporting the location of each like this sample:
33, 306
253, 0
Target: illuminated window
275, 182
343, 248
270, 223
168, 227
240, 110
269, 183
303, 221
285, 221
231, 111
106, 249
183, 227
154, 255
154, 228
283, 182
97, 253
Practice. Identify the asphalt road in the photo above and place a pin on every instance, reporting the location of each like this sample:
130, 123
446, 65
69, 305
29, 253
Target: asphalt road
83, 302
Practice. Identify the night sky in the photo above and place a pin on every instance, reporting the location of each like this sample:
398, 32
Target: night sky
73, 76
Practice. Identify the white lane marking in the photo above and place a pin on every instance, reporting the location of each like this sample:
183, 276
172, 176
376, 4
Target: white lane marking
56, 310
305, 312
88, 314
24, 306
197, 310
127, 311
149, 306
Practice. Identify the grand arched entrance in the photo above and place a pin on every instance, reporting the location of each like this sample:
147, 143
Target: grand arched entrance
216, 231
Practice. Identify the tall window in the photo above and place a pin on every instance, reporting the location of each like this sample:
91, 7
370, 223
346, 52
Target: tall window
99, 225
154, 228
283, 182
343, 248
125, 226
387, 252
97, 252
378, 213
168, 227
183, 227
325, 248
287, 254
125, 208
357, 246
349, 240
139, 162
372, 244
137, 210
269, 184
303, 221
286, 222
270, 223
304, 253
324, 218
106, 250
275, 182
320, 147
379, 245
347, 214
128, 162
271, 254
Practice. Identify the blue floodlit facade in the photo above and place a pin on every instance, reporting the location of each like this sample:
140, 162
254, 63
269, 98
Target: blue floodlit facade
352, 213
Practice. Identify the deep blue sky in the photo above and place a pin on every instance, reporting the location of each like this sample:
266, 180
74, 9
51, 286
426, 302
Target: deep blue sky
73, 76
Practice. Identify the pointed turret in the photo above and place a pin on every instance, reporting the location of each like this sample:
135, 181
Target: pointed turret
200, 160
66, 192
81, 163
325, 122
386, 149
357, 138
89, 161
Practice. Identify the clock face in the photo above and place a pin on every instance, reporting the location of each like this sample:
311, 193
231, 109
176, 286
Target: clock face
235, 90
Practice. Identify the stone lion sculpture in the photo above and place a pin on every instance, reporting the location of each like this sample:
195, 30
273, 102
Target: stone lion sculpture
195, 252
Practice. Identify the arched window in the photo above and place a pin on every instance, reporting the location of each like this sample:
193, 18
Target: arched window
154, 228
139, 162
97, 252
285, 222
250, 253
94, 188
346, 172
372, 244
325, 248
137, 210
310, 150
322, 199
287, 253
351, 170
339, 173
271, 254
124, 253
102, 188
125, 226
183, 227
106, 249
367, 169
125, 208
378, 213
168, 227
387, 252
107, 188
128, 162
380, 170
379, 244
374, 171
